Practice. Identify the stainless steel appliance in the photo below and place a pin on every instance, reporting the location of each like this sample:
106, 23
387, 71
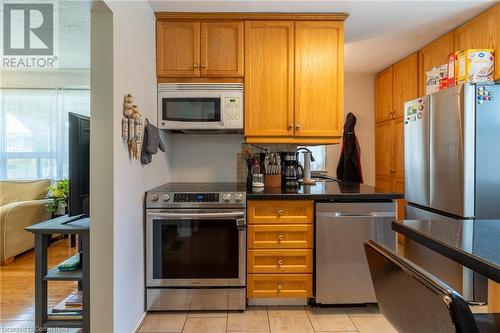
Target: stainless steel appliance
453, 170
200, 107
196, 247
342, 273
292, 170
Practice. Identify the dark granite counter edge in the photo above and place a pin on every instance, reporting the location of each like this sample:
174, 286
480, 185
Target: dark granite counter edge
337, 196
469, 260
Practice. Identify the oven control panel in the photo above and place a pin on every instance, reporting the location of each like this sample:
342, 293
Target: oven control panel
196, 197
173, 199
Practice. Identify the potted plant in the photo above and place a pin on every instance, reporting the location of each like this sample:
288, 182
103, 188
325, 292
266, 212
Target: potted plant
59, 196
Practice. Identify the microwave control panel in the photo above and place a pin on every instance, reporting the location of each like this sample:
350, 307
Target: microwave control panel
233, 112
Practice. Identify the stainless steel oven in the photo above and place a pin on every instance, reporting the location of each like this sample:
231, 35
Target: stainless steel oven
195, 257
196, 247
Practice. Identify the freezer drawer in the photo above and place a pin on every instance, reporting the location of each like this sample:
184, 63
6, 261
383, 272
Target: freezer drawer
342, 273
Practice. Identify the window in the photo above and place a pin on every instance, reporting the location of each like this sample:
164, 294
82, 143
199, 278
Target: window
319, 153
34, 131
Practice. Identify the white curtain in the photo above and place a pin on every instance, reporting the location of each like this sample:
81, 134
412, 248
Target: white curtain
34, 131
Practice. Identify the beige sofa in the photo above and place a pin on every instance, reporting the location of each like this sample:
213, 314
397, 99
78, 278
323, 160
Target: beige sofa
22, 203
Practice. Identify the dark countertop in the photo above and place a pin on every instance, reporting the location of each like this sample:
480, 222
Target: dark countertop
472, 243
78, 225
325, 191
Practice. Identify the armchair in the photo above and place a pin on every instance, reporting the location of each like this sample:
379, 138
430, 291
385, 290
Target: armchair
22, 203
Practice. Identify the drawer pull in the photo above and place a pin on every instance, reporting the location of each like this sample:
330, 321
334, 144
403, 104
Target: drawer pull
280, 286
280, 238
280, 262
280, 212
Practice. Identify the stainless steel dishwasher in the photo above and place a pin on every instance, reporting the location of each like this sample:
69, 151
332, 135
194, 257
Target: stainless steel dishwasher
342, 274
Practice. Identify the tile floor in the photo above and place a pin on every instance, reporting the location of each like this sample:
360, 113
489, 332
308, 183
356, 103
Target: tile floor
270, 319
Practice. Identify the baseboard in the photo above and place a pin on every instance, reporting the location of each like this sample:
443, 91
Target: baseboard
139, 323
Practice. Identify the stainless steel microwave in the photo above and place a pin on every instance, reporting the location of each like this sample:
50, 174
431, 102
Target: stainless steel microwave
212, 107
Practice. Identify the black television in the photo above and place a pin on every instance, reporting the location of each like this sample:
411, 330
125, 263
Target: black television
79, 164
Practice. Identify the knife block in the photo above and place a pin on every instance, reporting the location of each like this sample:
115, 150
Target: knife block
272, 180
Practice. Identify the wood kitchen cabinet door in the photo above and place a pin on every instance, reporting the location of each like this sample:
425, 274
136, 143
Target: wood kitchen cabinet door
279, 285
405, 83
432, 55
177, 49
274, 236
280, 211
482, 32
384, 183
383, 149
280, 261
319, 76
383, 95
269, 79
222, 49
398, 155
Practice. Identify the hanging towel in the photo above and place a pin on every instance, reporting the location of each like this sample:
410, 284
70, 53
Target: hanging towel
151, 142
349, 167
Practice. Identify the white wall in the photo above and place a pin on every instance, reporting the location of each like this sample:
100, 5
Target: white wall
359, 98
202, 158
133, 71
101, 170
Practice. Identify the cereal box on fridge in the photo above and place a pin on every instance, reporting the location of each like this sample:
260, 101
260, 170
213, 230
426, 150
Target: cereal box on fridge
475, 65
434, 76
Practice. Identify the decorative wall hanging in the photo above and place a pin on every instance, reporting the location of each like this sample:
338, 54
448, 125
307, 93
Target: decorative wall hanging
132, 126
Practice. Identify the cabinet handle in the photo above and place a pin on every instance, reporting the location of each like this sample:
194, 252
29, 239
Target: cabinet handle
203, 66
280, 238
280, 212
297, 127
280, 262
280, 286
290, 127
195, 66
392, 170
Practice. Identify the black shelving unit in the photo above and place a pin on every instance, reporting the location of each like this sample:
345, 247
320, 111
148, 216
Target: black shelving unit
43, 231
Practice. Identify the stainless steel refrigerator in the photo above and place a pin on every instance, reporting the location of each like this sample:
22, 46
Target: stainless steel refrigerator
452, 171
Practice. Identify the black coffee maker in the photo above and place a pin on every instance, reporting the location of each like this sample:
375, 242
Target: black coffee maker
292, 170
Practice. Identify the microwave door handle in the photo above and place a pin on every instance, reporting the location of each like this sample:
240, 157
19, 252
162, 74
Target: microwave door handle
199, 215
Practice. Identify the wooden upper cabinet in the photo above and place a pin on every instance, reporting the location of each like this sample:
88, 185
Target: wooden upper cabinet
177, 49
482, 32
319, 72
269, 62
383, 95
199, 49
432, 55
222, 49
405, 83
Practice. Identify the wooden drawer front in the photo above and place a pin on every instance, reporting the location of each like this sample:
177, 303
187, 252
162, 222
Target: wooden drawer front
280, 211
294, 236
279, 285
279, 261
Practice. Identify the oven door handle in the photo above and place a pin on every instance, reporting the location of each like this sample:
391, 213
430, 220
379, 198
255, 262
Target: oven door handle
199, 215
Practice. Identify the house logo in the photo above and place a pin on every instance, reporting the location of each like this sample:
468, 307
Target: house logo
28, 35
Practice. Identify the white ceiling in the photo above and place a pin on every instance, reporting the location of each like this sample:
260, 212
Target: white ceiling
377, 33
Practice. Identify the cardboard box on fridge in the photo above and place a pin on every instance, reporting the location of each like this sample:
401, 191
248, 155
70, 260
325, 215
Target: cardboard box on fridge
475, 65
434, 76
450, 80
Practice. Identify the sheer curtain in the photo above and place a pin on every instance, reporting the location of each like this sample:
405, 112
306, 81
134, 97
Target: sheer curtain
34, 131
